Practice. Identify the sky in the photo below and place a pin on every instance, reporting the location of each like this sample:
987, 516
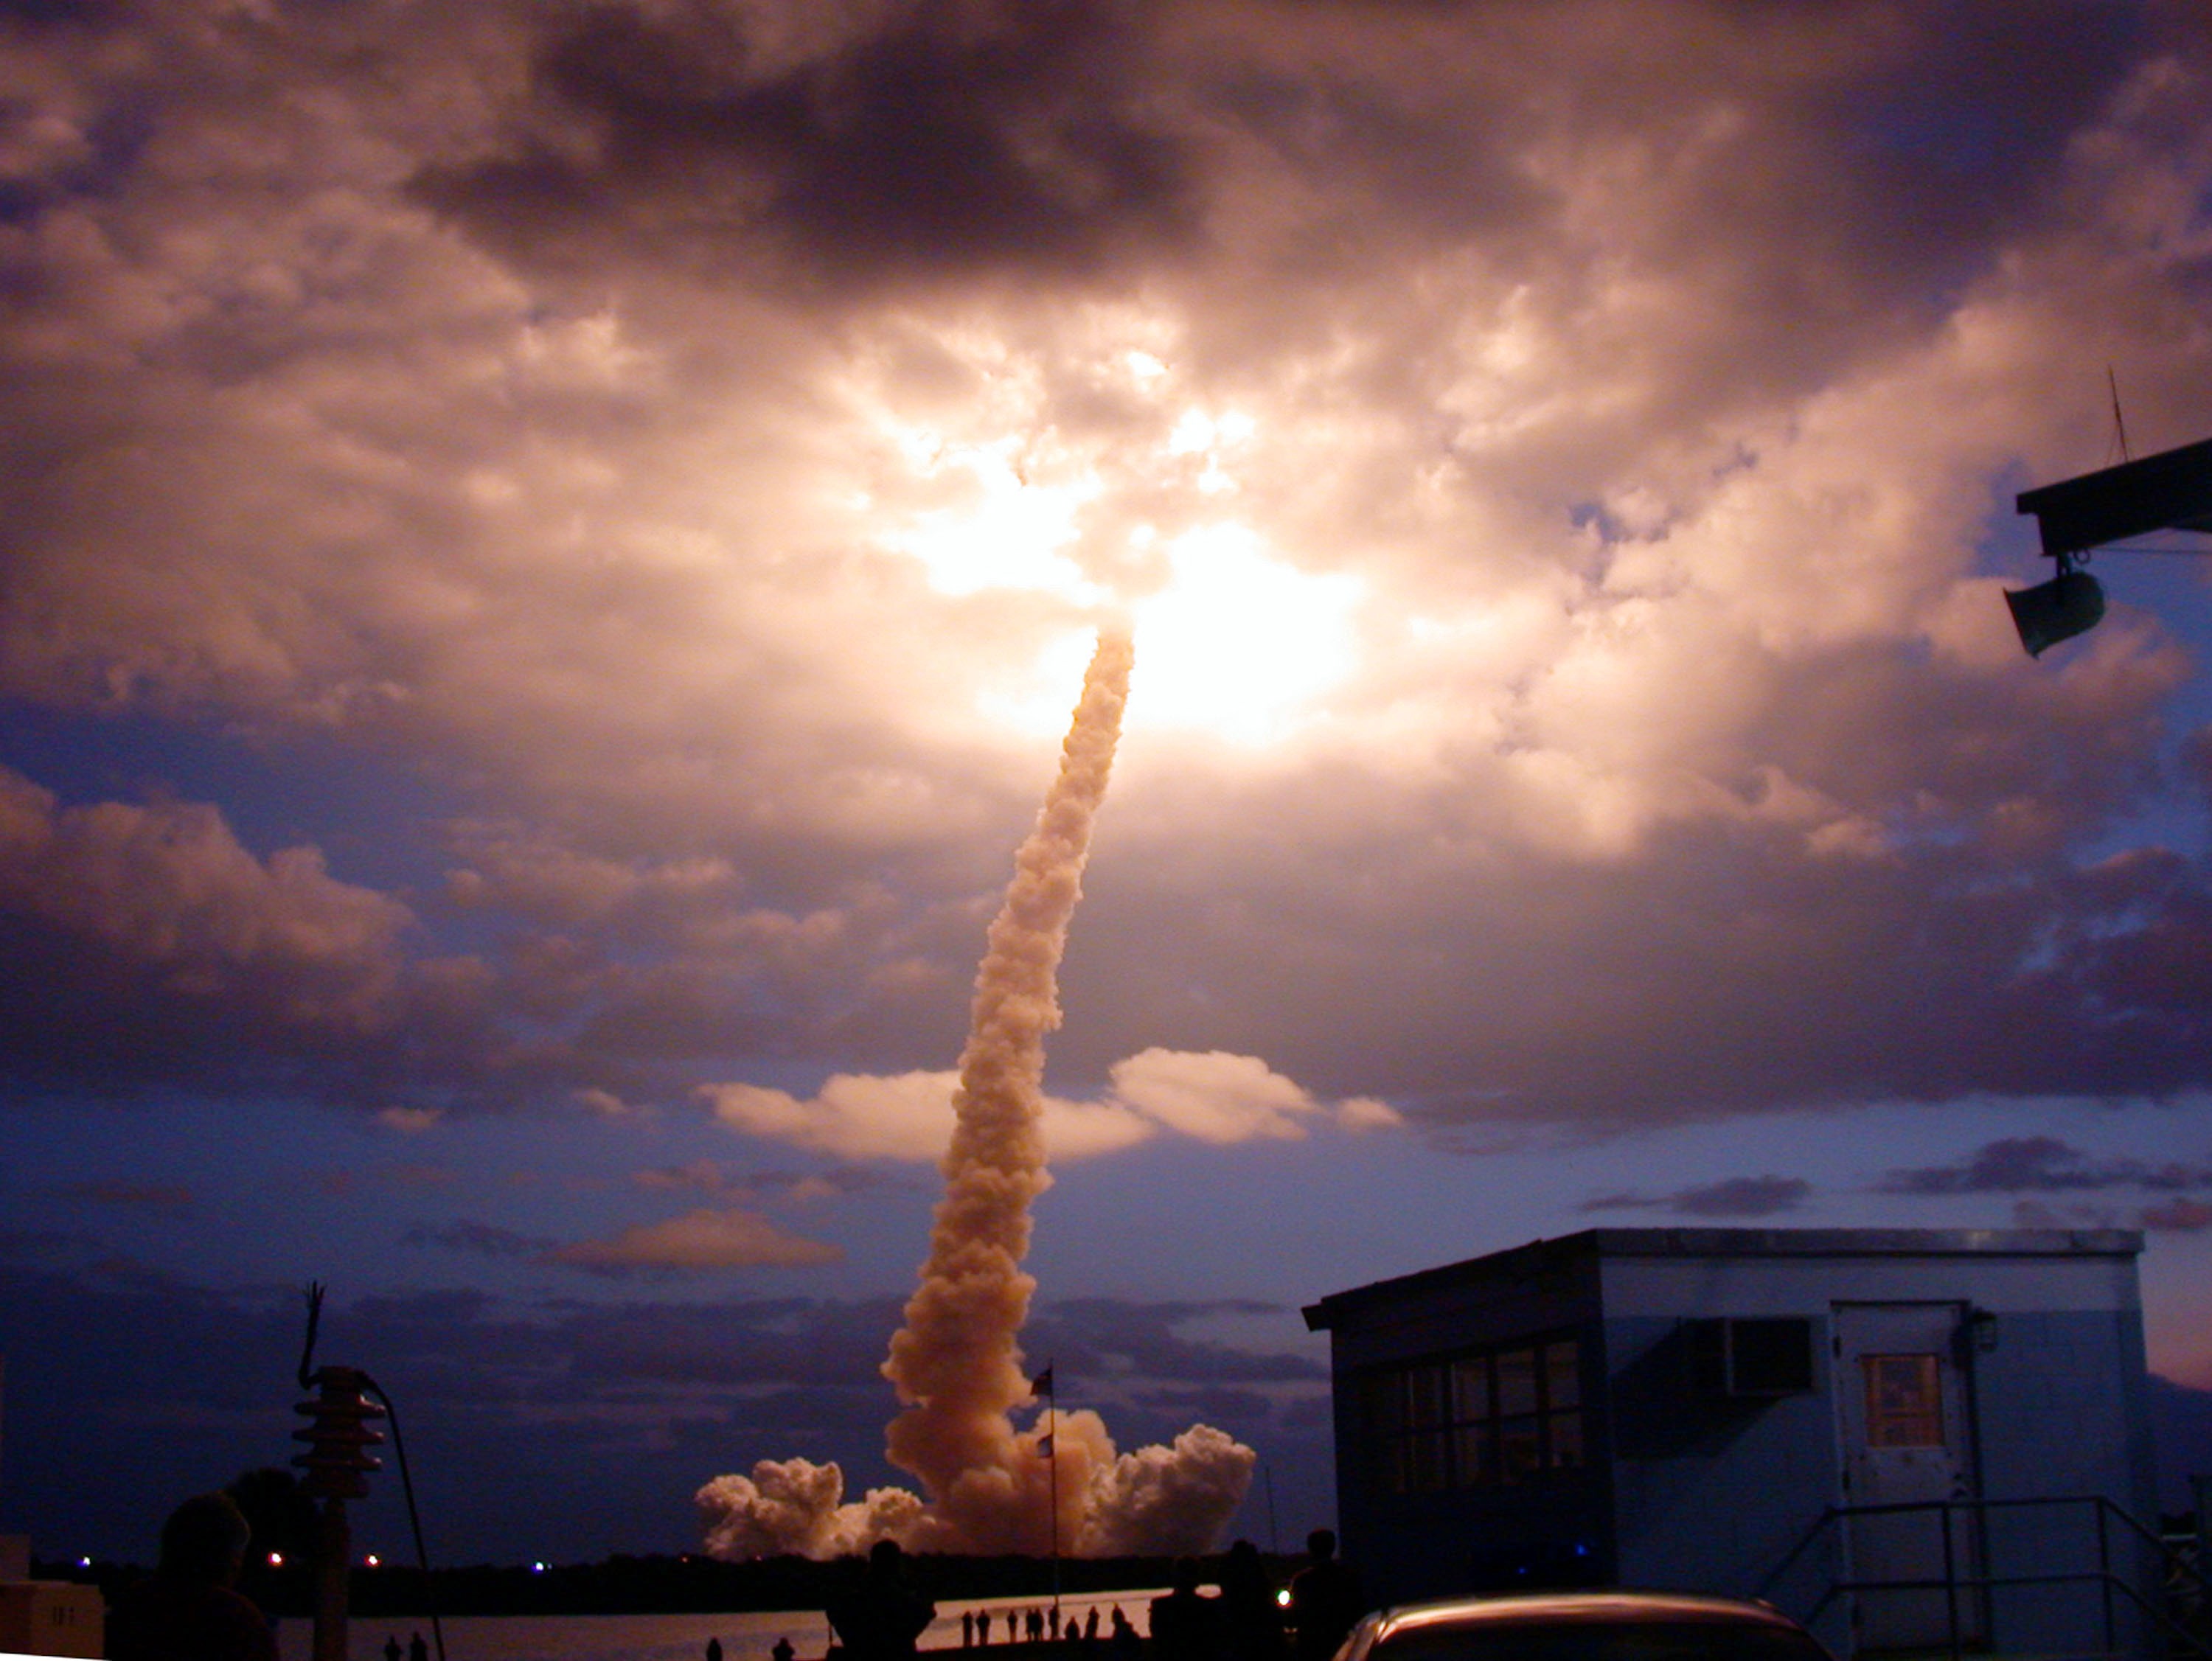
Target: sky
546, 552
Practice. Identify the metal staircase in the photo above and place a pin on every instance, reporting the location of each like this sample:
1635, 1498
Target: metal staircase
2135, 1569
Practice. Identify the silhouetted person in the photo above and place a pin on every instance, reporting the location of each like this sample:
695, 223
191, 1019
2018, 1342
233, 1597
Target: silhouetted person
983, 1628
967, 1629
783, 1652
1326, 1600
391, 1651
880, 1618
416, 1649
1124, 1643
1090, 1626
1035, 1624
714, 1649
1183, 1624
1251, 1620
1053, 1621
186, 1610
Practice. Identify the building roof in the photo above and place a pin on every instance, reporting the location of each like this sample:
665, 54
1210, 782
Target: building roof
1593, 1243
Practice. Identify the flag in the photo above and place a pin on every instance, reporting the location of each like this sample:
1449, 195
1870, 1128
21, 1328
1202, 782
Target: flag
1044, 1445
1041, 1385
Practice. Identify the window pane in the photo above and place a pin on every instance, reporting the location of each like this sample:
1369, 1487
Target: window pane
1566, 1435
1470, 1389
1425, 1397
1519, 1454
1563, 1376
1904, 1401
1477, 1465
1516, 1382
1428, 1460
1383, 1403
1390, 1466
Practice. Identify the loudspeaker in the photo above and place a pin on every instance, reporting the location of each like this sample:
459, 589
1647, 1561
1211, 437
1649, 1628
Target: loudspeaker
2069, 604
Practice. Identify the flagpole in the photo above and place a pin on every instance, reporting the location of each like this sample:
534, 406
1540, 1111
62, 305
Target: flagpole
1042, 1385
1052, 1471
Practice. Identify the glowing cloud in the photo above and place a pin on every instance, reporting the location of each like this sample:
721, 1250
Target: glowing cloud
1211, 1096
1239, 644
700, 1240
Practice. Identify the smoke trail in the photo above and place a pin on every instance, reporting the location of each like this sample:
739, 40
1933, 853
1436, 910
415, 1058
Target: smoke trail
956, 1363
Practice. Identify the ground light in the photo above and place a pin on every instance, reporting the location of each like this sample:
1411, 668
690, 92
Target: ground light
2169, 491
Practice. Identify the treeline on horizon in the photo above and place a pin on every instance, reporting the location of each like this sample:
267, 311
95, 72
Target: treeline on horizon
686, 1585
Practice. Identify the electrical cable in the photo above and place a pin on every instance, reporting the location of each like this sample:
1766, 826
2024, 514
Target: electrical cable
308, 1381
414, 1516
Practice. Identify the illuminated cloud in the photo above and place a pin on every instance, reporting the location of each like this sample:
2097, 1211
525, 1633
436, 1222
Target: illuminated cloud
1223, 1099
1211, 1097
909, 1116
411, 1121
698, 1241
1561, 530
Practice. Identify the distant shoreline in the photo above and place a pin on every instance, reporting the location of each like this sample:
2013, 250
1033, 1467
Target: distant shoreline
678, 1584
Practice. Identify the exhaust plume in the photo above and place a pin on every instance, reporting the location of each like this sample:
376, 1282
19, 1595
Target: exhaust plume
956, 1364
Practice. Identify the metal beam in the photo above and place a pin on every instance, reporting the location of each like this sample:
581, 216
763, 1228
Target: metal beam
2170, 491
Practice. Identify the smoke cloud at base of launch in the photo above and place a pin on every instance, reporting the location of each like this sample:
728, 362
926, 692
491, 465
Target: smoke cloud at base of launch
1059, 1485
1157, 1501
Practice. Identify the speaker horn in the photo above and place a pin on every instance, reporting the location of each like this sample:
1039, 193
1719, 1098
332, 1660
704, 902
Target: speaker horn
2069, 604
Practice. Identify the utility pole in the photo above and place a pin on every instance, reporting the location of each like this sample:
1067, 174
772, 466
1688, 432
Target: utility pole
337, 1463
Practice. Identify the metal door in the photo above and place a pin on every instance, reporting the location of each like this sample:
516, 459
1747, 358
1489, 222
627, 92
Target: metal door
1907, 1435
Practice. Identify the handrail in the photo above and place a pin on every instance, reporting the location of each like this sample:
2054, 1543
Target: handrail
1952, 1580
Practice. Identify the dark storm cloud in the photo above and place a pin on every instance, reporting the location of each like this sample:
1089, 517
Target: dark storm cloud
2180, 1217
1928, 973
20, 1245
592, 1419
1732, 1196
483, 1239
787, 1187
1101, 1339
346, 1182
2042, 1165
954, 139
113, 1191
1218, 1405
793, 1341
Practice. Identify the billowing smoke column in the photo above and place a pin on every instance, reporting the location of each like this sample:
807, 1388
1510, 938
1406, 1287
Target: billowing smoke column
956, 1364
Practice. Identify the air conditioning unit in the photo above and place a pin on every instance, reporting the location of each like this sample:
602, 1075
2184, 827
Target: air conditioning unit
1753, 1355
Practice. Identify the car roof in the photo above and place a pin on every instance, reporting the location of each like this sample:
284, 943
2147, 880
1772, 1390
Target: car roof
1534, 1608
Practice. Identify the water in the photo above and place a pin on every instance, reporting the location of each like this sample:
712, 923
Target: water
684, 1637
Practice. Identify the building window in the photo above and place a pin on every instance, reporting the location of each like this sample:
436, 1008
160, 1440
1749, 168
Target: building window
1904, 1401
1506, 1415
